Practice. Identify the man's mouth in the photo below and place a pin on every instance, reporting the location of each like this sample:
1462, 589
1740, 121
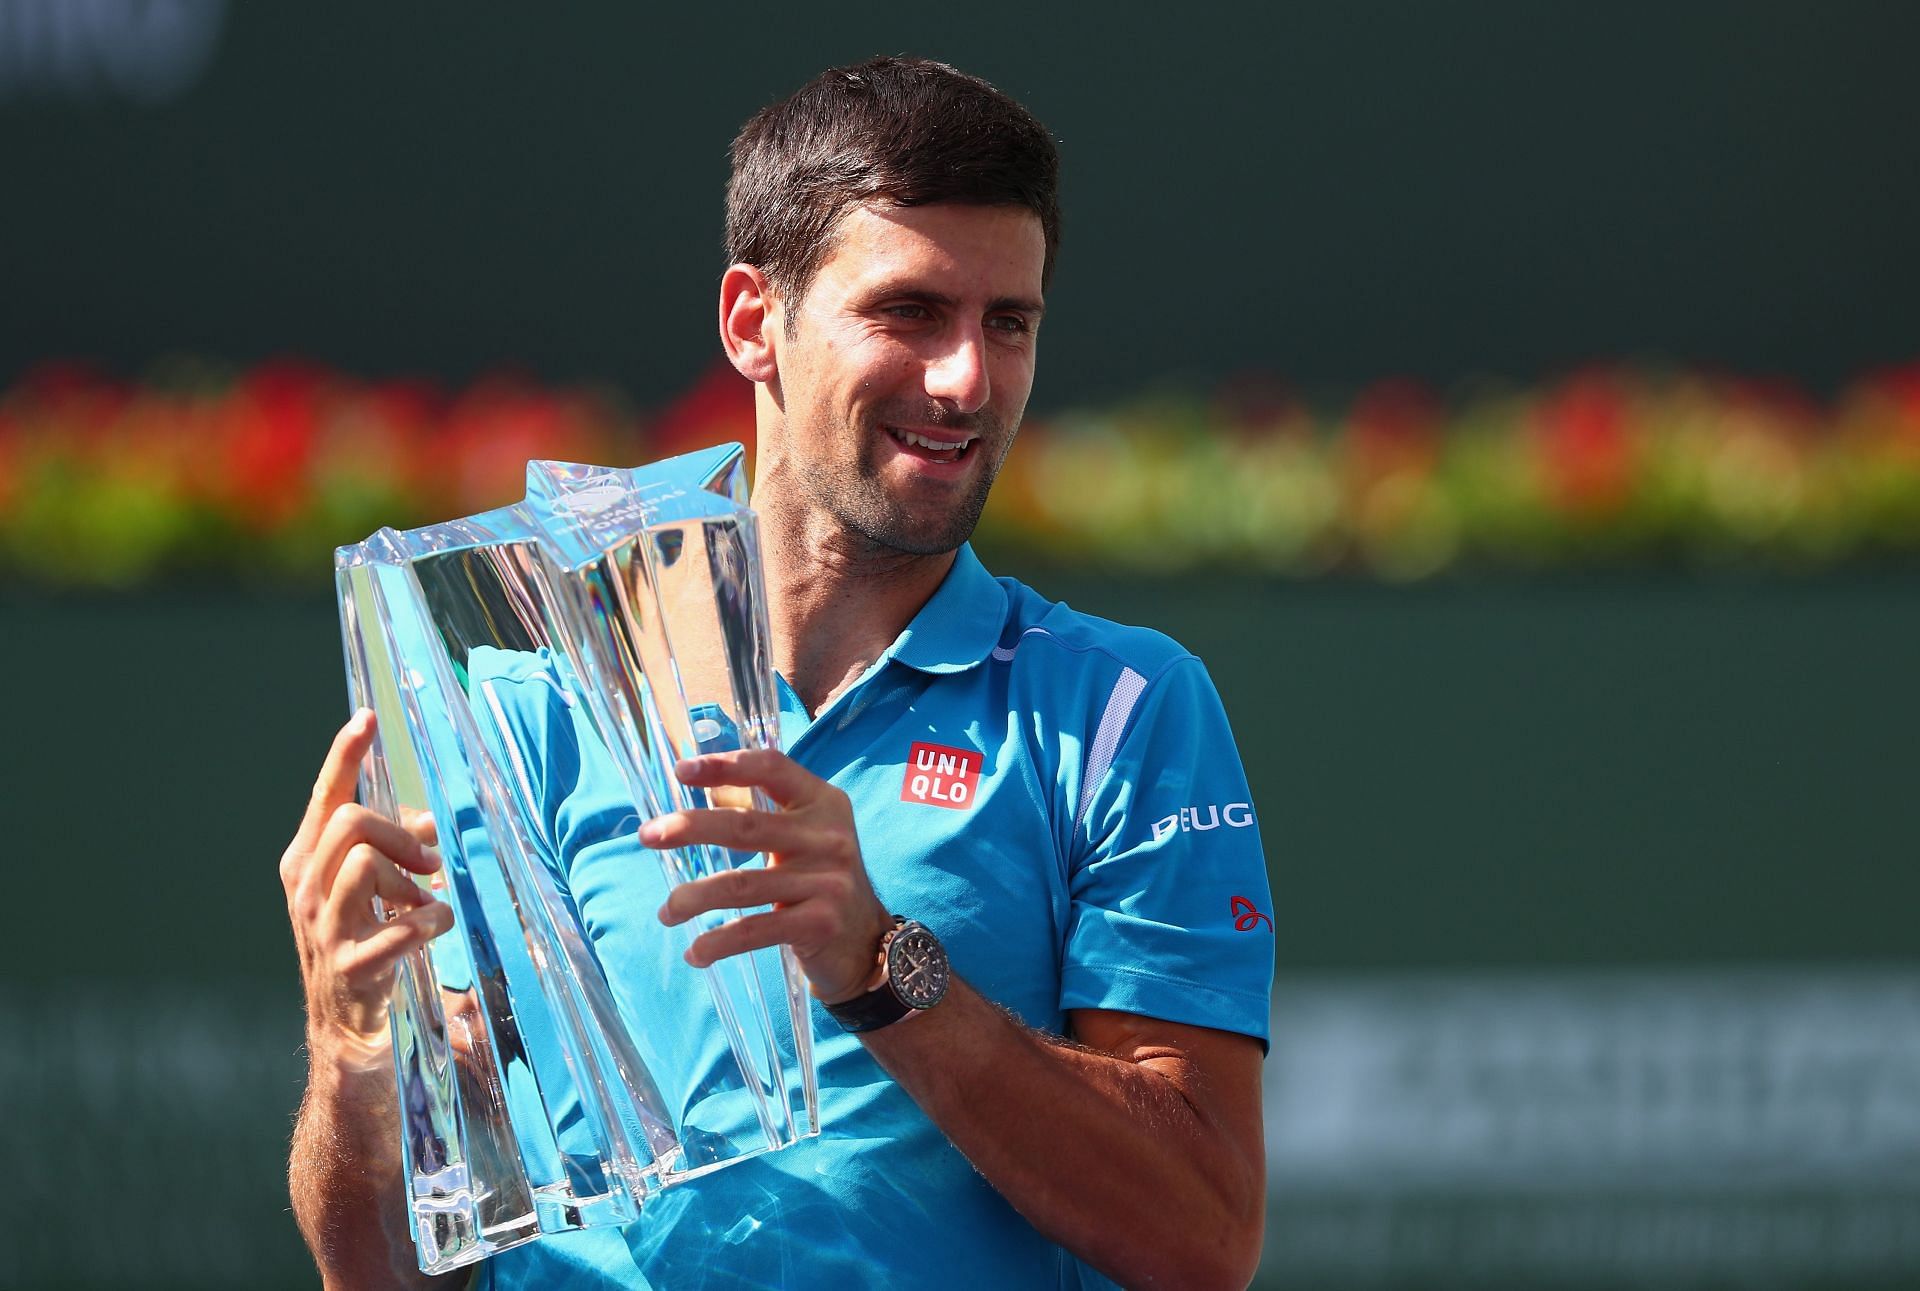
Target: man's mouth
932, 449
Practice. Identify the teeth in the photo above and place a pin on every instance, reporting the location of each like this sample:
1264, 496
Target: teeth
932, 445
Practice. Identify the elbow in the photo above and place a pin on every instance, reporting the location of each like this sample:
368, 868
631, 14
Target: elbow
1244, 1263
1222, 1255
1227, 1263
1232, 1259
1231, 1254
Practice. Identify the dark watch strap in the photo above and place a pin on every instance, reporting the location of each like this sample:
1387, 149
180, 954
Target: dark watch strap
887, 1003
877, 1008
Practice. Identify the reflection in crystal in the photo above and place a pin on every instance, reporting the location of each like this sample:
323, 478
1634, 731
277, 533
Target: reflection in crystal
587, 637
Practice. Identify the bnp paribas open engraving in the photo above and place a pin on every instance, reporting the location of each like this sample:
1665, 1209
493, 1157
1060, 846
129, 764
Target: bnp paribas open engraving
536, 672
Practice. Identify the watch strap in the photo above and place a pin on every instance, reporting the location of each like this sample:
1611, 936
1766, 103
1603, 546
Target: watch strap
879, 1007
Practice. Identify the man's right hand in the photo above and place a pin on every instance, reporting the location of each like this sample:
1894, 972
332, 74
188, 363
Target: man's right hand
342, 857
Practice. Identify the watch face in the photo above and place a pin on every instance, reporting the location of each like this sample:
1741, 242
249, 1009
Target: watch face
917, 967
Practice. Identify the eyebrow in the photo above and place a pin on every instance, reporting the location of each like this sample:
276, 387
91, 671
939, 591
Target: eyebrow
1016, 304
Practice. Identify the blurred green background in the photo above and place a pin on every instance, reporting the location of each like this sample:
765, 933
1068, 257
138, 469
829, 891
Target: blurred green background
1505, 400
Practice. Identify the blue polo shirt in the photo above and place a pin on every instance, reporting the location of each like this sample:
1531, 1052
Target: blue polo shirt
1056, 796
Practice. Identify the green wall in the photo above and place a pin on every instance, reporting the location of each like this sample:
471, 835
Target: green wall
1328, 192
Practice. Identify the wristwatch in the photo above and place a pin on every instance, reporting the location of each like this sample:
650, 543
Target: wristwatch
913, 976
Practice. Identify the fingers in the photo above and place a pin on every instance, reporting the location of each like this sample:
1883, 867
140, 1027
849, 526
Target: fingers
339, 776
784, 780
350, 979
733, 889
324, 905
366, 963
343, 857
364, 874
349, 826
816, 880
743, 831
800, 927
420, 824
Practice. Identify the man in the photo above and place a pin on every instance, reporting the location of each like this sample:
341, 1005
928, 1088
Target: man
1084, 1095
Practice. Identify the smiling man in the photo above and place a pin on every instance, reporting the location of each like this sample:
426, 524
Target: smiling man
891, 428
1040, 1008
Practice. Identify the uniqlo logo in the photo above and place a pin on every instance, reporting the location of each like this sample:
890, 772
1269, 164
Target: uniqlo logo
941, 777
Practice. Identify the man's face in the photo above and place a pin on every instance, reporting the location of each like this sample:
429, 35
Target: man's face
905, 369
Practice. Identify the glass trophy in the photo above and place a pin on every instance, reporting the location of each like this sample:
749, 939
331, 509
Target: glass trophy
536, 672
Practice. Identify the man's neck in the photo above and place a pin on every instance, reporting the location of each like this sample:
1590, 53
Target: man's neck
836, 601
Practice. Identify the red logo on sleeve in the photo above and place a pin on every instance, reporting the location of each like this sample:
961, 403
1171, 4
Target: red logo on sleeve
1247, 917
941, 777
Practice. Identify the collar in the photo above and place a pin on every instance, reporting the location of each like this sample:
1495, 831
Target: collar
960, 623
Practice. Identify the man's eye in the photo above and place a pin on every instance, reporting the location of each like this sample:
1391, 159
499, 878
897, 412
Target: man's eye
1009, 323
908, 311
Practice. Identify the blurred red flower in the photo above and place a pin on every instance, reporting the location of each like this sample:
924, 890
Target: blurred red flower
1393, 428
1586, 453
717, 409
271, 422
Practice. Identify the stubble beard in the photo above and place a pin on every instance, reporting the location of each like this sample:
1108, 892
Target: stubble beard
858, 499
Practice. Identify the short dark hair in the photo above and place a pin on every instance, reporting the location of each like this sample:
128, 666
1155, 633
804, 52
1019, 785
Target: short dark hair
905, 131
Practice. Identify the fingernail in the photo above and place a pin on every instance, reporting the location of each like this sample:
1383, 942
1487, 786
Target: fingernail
650, 832
431, 855
665, 916
361, 719
684, 768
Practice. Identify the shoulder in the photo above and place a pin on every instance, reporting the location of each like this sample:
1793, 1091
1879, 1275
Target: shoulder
1046, 635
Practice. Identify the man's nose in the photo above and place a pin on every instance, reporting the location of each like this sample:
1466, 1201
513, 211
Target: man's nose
958, 376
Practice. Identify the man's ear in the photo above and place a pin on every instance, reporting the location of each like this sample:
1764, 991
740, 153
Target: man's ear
747, 322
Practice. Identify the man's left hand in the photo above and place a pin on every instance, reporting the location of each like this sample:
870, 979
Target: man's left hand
815, 880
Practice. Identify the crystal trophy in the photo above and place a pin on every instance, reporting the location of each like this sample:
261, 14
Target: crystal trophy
536, 671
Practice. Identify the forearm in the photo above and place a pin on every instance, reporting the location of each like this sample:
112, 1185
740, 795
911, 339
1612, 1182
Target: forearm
1111, 1156
345, 1176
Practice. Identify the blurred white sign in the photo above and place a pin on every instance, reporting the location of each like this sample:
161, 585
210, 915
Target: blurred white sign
1724, 1080
1661, 1128
145, 50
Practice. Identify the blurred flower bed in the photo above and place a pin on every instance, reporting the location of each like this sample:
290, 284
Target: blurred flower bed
1605, 467
261, 473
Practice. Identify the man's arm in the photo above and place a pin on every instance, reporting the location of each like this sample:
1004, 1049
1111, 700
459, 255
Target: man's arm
345, 1176
345, 1172
1139, 1148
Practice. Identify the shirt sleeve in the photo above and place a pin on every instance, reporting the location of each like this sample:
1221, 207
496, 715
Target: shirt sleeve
1170, 912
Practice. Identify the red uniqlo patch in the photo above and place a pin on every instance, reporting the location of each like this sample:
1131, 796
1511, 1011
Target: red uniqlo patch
941, 777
